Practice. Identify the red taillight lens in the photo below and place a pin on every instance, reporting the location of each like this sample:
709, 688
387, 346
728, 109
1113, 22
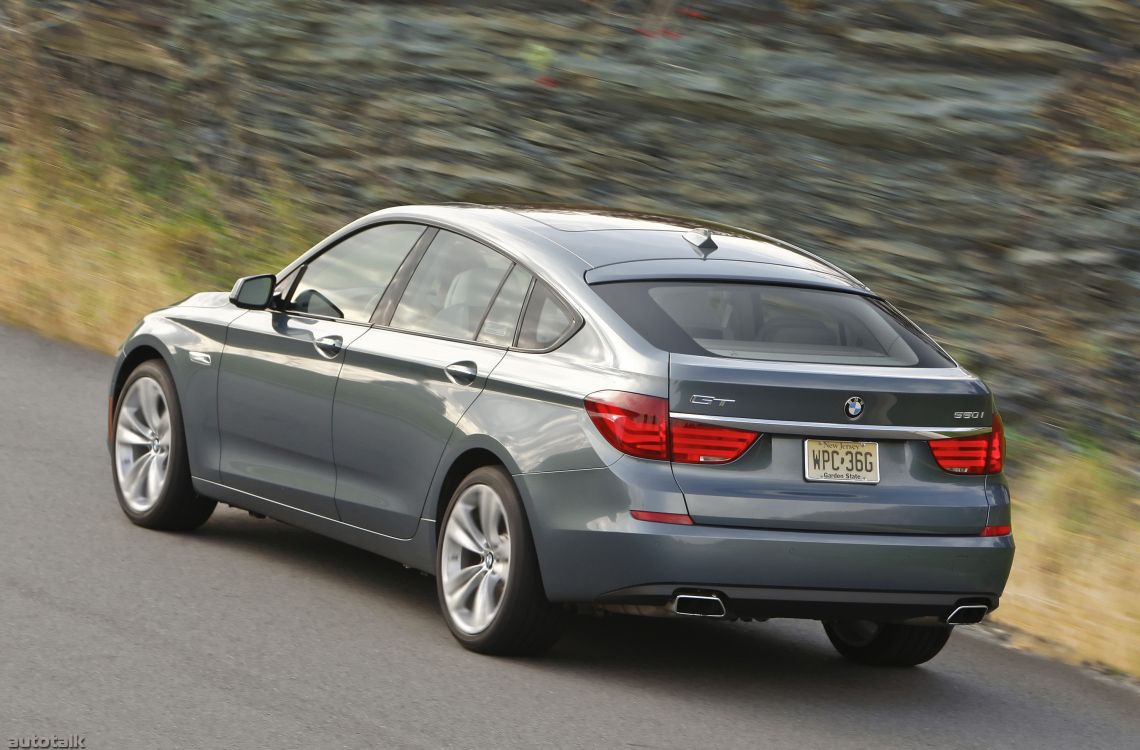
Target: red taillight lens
696, 443
997, 531
639, 426
634, 424
981, 454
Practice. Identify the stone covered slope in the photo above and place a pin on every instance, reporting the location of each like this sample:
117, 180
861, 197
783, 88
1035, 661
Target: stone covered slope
930, 147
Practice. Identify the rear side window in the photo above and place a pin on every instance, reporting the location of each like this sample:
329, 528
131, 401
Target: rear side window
499, 327
452, 287
776, 323
546, 321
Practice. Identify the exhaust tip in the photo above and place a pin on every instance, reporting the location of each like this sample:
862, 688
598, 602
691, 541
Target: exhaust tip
698, 605
967, 614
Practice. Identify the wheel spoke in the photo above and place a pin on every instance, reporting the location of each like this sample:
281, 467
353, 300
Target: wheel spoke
128, 421
136, 474
154, 476
490, 512
453, 582
463, 517
459, 535
128, 435
484, 606
464, 591
151, 402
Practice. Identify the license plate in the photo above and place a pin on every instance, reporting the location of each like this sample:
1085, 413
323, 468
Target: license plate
841, 461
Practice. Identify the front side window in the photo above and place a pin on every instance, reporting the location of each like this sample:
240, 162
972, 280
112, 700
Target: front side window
451, 288
348, 280
765, 322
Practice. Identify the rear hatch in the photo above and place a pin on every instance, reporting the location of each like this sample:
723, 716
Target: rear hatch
844, 392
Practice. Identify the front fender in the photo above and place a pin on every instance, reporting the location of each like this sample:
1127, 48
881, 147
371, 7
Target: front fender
173, 335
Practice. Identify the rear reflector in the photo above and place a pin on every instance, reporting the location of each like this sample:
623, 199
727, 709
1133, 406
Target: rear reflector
980, 454
639, 425
997, 531
681, 519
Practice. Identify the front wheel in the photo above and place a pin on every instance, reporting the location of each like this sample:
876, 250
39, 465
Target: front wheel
149, 463
887, 644
487, 575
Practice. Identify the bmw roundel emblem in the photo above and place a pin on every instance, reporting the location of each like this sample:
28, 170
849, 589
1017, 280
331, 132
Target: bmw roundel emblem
854, 407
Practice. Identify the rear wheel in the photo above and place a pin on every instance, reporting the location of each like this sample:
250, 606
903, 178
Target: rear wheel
149, 463
887, 644
487, 575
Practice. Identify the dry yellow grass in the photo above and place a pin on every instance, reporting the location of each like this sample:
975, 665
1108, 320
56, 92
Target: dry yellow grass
73, 271
86, 252
92, 236
1077, 569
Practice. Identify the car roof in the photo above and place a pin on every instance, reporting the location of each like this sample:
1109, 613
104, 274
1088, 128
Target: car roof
629, 240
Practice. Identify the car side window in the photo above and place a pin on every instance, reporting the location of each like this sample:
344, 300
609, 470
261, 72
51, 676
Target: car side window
451, 288
546, 320
348, 280
499, 327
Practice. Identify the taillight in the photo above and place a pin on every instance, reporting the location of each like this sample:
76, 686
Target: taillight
636, 425
640, 426
980, 454
696, 443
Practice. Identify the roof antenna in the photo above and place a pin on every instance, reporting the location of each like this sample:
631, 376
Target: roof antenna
702, 240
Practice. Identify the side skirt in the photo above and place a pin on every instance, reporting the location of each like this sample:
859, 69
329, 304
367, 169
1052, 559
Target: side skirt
417, 552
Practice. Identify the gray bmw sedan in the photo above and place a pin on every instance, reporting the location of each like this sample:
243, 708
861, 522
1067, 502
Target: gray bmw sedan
556, 409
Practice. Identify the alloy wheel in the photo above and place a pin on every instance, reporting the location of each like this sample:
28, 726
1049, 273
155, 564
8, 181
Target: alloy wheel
475, 558
142, 444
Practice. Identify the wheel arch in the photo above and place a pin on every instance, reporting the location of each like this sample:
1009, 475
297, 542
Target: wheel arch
467, 461
140, 351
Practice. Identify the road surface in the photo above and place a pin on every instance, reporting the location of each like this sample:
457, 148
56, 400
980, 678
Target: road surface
253, 634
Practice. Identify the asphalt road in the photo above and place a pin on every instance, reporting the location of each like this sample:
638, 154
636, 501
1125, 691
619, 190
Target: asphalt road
253, 634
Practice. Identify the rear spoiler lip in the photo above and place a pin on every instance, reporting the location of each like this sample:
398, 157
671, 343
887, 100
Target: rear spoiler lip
723, 269
834, 429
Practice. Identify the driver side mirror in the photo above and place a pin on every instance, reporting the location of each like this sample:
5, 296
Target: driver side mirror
254, 292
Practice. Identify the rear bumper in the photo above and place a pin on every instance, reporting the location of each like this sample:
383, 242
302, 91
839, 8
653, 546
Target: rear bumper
810, 604
591, 550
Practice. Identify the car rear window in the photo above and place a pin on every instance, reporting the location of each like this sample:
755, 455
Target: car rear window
766, 322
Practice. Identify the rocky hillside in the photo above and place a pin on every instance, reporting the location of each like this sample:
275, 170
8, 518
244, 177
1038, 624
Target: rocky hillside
976, 160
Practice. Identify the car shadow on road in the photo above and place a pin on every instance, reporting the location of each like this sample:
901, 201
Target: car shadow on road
779, 661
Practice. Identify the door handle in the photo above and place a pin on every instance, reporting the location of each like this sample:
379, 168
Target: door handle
462, 373
329, 346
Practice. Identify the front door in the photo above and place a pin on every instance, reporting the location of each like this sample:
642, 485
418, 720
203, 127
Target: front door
279, 370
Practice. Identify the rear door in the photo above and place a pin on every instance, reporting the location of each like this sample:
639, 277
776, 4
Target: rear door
406, 382
844, 391
279, 370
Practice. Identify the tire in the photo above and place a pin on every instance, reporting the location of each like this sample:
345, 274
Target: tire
148, 436
887, 644
515, 618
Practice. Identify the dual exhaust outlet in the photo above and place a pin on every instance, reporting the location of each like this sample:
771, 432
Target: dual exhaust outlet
711, 605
